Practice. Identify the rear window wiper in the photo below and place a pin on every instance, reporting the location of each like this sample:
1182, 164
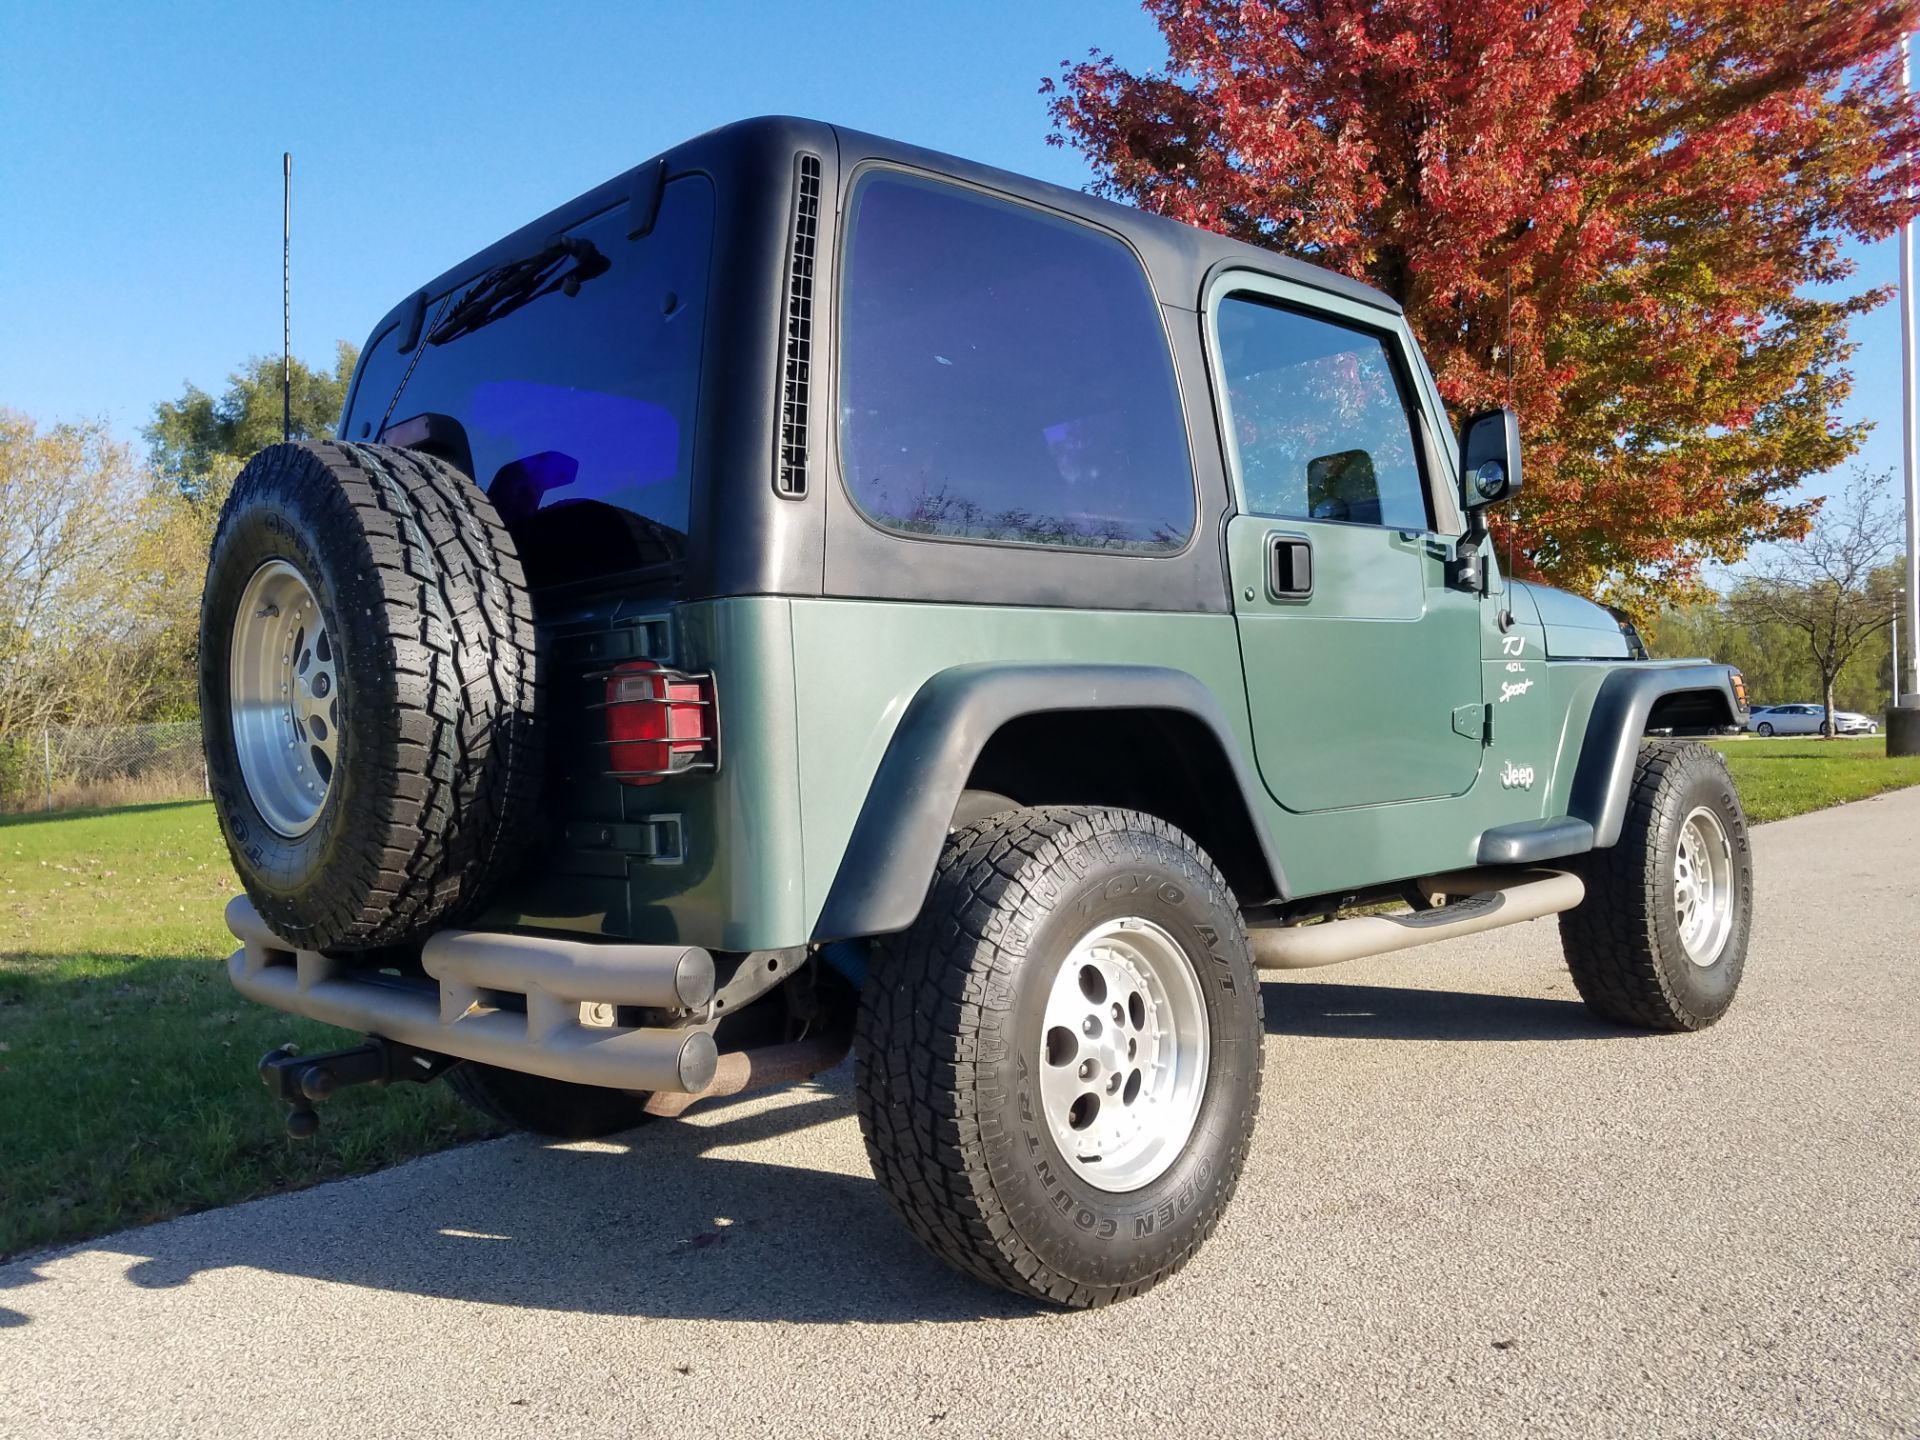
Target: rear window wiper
563, 265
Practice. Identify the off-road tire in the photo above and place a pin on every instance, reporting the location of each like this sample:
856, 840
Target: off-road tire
949, 1031
434, 788
555, 1108
1622, 943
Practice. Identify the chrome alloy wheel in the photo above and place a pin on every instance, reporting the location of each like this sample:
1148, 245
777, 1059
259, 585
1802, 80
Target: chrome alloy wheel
283, 698
1123, 1062
1703, 886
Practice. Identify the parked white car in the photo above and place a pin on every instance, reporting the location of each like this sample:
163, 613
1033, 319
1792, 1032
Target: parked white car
1806, 720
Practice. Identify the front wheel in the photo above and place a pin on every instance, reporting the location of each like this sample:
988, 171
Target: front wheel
1059, 1063
1661, 938
1763, 729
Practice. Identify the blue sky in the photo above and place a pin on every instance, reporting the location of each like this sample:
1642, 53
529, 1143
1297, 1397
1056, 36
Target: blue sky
140, 154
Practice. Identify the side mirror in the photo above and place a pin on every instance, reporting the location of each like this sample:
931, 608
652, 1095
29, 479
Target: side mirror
1490, 458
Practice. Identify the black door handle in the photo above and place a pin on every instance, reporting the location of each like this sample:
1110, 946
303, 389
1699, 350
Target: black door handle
1289, 567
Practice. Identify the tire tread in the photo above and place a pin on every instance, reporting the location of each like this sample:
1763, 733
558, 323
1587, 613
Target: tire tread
919, 1039
455, 750
1611, 939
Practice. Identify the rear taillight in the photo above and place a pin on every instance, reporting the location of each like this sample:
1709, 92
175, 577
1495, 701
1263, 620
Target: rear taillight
659, 723
1739, 687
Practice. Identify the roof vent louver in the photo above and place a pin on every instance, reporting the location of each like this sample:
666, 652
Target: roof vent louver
790, 477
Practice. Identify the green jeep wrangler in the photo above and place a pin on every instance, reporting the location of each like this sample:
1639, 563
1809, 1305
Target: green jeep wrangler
812, 593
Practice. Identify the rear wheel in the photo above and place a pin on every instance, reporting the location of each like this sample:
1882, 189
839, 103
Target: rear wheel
367, 679
555, 1108
1661, 938
1059, 1063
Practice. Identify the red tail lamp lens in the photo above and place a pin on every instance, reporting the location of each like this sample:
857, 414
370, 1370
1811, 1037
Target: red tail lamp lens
659, 722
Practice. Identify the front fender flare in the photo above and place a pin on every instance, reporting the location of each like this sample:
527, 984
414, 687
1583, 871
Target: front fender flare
1616, 725
889, 860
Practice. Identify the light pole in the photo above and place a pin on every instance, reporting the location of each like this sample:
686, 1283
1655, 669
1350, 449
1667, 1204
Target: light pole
1903, 722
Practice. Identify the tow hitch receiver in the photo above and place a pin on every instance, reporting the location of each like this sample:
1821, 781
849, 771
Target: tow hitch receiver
303, 1080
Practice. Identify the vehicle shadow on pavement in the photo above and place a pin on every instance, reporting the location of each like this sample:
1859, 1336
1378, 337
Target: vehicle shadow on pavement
1386, 1012
654, 1224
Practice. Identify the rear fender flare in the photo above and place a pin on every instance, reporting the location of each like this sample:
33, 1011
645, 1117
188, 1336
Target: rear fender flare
889, 860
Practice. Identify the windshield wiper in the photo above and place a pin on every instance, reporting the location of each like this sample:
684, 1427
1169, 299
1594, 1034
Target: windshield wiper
564, 265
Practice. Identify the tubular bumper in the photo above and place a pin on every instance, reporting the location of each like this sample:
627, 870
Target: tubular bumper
475, 1016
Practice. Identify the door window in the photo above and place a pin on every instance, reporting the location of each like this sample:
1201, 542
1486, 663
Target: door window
1005, 376
1320, 418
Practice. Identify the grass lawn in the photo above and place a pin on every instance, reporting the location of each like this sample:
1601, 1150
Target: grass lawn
127, 1088
1782, 777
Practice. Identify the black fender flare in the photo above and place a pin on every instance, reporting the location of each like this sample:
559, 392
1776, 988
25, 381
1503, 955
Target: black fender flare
1617, 724
890, 857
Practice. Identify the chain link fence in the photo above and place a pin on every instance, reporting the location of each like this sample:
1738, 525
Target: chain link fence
64, 767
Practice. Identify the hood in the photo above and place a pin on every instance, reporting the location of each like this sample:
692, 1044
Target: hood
1575, 629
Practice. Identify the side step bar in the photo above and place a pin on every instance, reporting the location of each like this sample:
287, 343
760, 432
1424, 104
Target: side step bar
1488, 900
475, 971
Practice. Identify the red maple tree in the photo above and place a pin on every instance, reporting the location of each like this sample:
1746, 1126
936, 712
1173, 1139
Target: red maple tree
1639, 207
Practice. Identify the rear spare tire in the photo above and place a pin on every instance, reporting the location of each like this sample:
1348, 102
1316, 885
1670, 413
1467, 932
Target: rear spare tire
367, 687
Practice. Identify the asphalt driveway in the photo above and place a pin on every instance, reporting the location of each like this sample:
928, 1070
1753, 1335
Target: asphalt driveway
1471, 1210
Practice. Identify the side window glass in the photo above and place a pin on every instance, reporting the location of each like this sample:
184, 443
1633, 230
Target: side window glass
1005, 376
1321, 418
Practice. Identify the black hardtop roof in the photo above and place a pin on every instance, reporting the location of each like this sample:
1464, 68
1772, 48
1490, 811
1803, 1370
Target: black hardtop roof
1169, 246
1179, 257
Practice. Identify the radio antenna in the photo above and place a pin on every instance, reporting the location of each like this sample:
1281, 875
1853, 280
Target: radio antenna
1509, 357
1508, 346
286, 295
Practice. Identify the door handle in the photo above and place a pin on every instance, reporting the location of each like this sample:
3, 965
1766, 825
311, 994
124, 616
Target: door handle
1289, 567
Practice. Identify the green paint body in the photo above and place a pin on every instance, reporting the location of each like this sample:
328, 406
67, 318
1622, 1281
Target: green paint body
1391, 717
810, 692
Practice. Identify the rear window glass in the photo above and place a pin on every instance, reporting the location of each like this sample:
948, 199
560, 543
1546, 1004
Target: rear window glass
1005, 376
571, 381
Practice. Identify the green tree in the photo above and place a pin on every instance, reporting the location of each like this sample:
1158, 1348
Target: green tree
83, 600
1835, 591
199, 442
1775, 659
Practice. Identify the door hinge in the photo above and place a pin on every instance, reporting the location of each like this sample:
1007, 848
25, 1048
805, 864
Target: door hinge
1475, 722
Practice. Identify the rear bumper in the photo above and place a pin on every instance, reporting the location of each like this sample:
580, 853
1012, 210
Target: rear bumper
509, 1000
